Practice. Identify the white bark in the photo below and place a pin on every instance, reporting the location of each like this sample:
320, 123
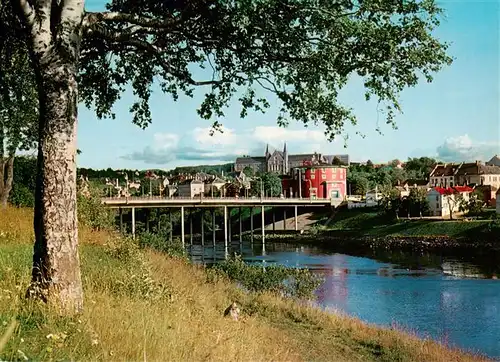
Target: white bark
56, 265
6, 179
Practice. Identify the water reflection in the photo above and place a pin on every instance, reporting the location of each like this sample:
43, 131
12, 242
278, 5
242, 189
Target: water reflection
453, 299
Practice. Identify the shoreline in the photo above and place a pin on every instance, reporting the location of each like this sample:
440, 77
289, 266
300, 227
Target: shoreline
389, 242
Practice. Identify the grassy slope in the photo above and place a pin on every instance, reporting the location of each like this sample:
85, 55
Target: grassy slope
143, 305
371, 223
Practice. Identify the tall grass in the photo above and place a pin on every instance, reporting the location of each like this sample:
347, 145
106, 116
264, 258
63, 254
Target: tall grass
143, 305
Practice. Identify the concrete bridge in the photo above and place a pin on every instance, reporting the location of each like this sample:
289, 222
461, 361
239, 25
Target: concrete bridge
214, 202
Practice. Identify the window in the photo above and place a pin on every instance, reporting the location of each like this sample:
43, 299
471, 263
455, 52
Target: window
437, 198
313, 176
323, 176
451, 183
334, 176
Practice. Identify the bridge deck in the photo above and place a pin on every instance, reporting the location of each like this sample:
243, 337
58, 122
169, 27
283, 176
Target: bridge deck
154, 202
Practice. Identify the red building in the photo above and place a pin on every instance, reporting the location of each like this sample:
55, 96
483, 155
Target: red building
318, 181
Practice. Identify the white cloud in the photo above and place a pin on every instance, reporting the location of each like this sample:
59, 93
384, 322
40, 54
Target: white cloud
225, 146
165, 140
463, 148
225, 136
273, 134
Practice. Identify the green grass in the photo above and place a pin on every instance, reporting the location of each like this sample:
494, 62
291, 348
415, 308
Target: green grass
144, 305
372, 223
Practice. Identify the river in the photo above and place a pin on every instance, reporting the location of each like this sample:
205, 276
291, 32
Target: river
447, 298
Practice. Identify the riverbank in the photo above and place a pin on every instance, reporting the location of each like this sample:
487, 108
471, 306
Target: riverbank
372, 223
369, 229
144, 305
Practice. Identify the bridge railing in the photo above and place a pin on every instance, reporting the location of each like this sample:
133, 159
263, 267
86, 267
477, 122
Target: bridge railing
197, 198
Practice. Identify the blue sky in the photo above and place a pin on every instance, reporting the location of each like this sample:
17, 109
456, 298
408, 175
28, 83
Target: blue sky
457, 117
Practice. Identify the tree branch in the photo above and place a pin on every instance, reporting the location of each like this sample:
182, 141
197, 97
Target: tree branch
29, 13
93, 18
151, 49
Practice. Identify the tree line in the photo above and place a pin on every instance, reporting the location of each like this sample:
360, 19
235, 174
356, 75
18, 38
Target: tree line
362, 178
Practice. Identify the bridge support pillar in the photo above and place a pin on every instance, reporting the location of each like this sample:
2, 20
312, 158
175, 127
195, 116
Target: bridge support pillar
202, 227
191, 226
213, 228
225, 226
284, 219
263, 223
251, 224
229, 225
121, 220
182, 226
241, 229
133, 222
171, 224
274, 219
147, 219
296, 221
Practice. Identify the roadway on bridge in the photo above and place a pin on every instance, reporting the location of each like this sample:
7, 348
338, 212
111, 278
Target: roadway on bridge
156, 201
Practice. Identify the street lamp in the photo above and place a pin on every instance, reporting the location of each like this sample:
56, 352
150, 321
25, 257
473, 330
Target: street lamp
261, 187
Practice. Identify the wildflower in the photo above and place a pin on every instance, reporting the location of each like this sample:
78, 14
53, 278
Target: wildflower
95, 342
23, 355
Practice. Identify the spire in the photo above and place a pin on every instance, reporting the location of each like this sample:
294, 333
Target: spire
267, 149
284, 148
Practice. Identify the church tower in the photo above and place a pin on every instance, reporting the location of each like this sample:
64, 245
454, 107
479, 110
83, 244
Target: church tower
285, 160
266, 162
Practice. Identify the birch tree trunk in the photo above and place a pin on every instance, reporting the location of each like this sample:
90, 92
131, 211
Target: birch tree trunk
6, 179
6, 170
56, 265
55, 49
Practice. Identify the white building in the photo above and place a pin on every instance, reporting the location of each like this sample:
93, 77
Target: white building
191, 188
443, 200
443, 175
373, 197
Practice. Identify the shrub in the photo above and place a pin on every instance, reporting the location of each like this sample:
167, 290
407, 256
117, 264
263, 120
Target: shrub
92, 213
138, 281
160, 242
292, 282
22, 196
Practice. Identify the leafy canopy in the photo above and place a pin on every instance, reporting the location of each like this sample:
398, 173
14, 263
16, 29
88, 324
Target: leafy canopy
302, 51
18, 93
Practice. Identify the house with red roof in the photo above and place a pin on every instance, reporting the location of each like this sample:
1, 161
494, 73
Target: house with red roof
444, 201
